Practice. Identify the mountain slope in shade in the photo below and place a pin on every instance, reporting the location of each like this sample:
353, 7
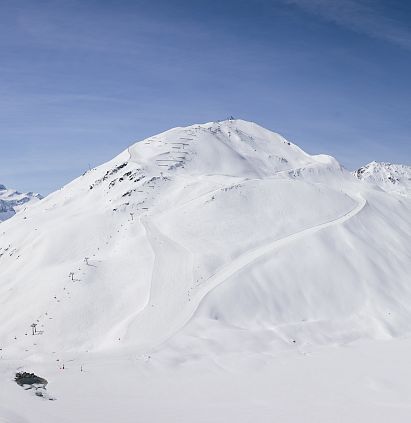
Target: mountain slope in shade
12, 201
390, 177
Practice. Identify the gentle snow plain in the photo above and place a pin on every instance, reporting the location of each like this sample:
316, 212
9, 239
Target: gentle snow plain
213, 273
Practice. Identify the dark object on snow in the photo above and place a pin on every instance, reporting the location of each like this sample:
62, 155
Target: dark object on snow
25, 378
33, 328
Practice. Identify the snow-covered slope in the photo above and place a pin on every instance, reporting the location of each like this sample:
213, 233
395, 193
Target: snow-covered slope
390, 177
12, 201
217, 235
217, 256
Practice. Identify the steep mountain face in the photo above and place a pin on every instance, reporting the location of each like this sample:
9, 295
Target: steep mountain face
389, 177
12, 201
216, 237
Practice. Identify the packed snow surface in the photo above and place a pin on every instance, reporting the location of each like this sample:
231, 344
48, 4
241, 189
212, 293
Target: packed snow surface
219, 250
11, 201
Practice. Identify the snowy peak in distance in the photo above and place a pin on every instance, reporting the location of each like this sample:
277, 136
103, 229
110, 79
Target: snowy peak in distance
389, 177
11, 201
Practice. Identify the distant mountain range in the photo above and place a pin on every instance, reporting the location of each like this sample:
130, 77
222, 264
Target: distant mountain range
388, 176
12, 201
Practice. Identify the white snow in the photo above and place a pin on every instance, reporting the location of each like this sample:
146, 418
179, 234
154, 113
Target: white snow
390, 177
209, 273
11, 201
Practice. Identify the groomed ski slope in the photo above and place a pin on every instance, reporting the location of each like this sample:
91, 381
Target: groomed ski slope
92, 229
205, 256
178, 272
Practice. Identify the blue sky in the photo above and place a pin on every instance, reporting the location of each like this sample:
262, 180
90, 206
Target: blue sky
81, 80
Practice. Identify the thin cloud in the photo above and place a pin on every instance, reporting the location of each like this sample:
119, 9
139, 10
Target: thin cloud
359, 16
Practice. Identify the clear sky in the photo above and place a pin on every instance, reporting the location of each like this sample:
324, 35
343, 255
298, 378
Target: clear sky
80, 80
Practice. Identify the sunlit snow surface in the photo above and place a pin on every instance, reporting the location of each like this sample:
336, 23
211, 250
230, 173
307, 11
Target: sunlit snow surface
209, 273
388, 176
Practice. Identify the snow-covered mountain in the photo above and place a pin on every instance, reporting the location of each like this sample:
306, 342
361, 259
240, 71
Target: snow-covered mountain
11, 201
223, 224
388, 176
221, 240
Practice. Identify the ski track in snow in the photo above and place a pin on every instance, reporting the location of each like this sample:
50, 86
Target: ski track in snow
118, 319
179, 271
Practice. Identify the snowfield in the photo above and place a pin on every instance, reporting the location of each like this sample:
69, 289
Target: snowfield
212, 273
